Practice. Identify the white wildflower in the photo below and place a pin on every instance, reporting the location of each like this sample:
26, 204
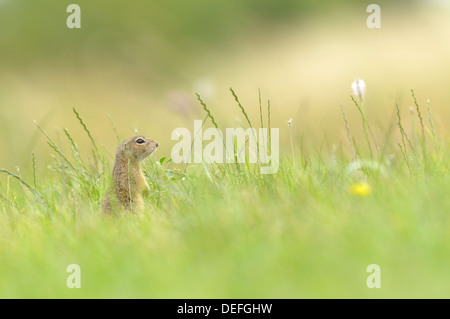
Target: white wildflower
359, 88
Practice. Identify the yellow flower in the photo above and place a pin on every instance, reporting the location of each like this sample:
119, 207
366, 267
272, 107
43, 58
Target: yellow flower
361, 189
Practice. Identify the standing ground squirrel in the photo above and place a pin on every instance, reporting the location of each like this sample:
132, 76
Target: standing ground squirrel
129, 184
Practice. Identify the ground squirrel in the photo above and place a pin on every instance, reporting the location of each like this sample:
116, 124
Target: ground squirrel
129, 184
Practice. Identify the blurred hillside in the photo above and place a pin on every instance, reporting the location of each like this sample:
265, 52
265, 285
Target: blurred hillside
142, 62
170, 31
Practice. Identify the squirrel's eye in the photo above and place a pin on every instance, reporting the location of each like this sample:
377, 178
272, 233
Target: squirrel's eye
140, 141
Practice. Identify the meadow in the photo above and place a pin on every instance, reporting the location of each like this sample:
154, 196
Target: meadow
227, 231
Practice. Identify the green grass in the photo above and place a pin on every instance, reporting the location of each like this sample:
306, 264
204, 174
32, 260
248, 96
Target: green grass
225, 231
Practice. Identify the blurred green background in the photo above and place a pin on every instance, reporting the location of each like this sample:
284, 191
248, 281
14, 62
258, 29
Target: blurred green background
142, 62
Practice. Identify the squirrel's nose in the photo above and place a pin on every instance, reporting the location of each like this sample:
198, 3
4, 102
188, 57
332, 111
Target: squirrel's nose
156, 144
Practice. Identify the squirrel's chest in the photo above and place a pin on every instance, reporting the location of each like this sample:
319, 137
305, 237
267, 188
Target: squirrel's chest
142, 183
137, 180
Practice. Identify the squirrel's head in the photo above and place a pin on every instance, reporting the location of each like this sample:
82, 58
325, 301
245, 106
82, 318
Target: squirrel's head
139, 147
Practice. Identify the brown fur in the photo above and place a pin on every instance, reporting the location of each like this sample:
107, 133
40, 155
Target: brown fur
129, 184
